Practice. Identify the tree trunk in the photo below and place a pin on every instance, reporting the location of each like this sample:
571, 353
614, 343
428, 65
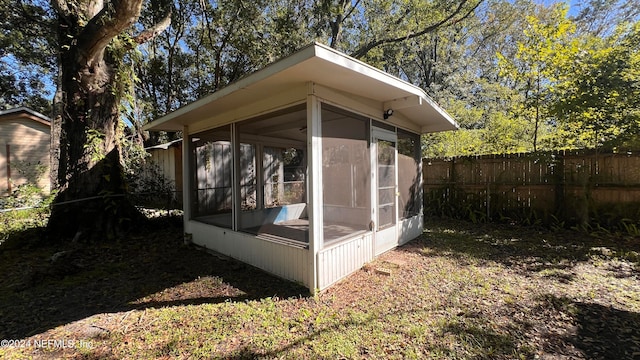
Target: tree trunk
92, 201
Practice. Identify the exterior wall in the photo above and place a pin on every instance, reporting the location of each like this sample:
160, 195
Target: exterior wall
410, 228
286, 261
346, 257
315, 267
338, 261
170, 163
166, 161
28, 146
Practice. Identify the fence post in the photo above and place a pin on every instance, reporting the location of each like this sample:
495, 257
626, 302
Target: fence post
560, 180
488, 201
487, 176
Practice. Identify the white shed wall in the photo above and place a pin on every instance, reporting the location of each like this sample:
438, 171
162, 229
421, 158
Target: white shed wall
337, 262
410, 228
166, 161
288, 262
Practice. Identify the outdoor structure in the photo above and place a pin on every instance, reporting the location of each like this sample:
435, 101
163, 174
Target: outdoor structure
25, 137
308, 168
168, 159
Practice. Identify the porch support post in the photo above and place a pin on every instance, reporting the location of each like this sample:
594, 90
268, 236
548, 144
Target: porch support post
314, 191
260, 178
420, 182
236, 178
186, 177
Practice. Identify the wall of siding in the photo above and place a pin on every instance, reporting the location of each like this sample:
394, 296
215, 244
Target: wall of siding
286, 261
29, 143
169, 162
337, 262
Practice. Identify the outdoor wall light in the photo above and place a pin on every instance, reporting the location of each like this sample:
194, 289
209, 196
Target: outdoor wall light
387, 113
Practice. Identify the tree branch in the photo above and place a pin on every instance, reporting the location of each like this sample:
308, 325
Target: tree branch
113, 19
363, 50
353, 7
155, 30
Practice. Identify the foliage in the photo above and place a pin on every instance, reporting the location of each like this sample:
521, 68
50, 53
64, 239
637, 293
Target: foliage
14, 219
564, 82
28, 194
15, 223
27, 55
146, 183
599, 90
600, 18
516, 75
546, 41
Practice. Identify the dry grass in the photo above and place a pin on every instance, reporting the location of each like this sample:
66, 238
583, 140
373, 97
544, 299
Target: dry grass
459, 291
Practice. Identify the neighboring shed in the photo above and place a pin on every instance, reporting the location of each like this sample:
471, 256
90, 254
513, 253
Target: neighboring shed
168, 158
308, 168
25, 137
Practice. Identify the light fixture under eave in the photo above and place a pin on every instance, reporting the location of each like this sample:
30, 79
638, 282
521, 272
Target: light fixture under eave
387, 113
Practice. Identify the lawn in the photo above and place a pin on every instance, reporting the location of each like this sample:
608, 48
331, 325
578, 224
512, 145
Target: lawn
461, 290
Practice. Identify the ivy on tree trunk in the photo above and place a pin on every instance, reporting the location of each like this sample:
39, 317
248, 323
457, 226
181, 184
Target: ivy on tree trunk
86, 132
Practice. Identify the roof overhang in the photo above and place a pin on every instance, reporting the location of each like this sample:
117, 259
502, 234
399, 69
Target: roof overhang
26, 113
325, 66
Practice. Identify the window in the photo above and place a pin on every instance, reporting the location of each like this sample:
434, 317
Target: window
212, 185
248, 184
346, 169
284, 176
408, 174
272, 175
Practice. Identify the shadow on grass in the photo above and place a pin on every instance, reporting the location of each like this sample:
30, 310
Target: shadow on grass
601, 332
472, 334
154, 270
527, 248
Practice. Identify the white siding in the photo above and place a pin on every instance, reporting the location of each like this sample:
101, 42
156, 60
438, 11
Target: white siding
288, 262
165, 159
339, 261
410, 229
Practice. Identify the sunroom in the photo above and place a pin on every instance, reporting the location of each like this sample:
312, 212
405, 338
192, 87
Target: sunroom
308, 168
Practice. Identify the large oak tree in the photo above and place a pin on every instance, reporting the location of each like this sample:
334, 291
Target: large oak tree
94, 36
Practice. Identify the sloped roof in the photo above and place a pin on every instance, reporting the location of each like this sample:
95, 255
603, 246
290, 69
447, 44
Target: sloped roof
322, 65
33, 115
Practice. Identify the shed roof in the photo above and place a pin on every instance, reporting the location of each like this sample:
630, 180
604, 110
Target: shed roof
323, 65
31, 114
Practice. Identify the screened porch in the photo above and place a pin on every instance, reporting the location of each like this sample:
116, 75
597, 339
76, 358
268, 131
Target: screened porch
308, 168
270, 185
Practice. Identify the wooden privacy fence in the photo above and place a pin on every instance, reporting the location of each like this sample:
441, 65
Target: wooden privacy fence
587, 188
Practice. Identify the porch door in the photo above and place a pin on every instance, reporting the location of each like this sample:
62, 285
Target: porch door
385, 211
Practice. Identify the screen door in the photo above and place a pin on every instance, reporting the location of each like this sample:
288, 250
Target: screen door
386, 190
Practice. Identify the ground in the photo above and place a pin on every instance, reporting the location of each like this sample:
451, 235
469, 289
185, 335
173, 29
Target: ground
461, 290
